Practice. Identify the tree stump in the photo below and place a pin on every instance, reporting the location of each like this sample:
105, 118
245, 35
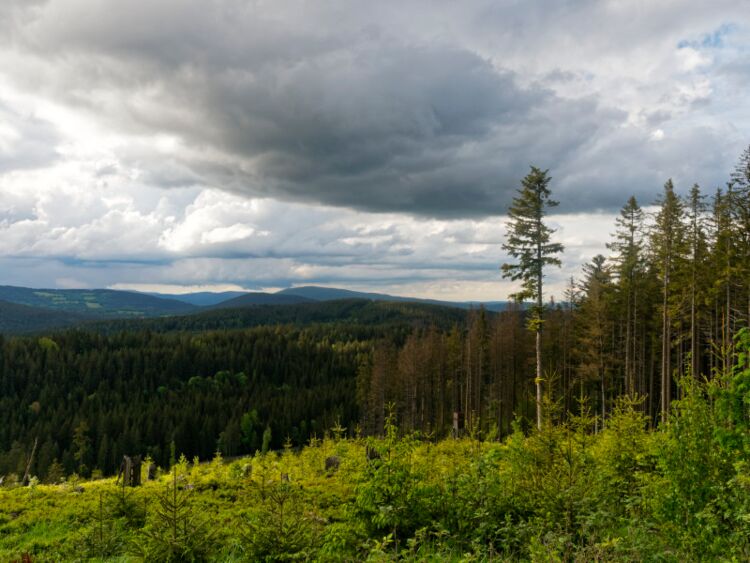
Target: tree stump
130, 471
332, 463
371, 453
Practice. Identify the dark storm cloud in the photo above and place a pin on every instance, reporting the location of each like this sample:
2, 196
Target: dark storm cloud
313, 102
351, 117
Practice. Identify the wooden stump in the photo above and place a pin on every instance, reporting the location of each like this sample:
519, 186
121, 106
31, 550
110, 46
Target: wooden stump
130, 471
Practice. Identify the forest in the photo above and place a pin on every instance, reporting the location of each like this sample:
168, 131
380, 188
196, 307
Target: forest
609, 424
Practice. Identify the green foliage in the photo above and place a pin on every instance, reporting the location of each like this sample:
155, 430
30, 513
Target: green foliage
82, 447
528, 237
176, 532
390, 499
101, 397
249, 426
124, 506
104, 537
267, 436
561, 493
281, 527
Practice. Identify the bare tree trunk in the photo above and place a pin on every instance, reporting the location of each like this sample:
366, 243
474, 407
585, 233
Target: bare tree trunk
539, 304
665, 350
693, 333
539, 378
637, 386
26, 474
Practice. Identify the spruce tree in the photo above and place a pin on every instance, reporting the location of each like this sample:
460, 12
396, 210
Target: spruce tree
698, 252
595, 327
740, 211
629, 261
667, 245
528, 241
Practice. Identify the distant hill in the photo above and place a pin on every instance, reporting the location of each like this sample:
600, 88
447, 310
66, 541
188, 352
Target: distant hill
362, 312
257, 298
295, 295
17, 319
95, 302
35, 310
201, 298
317, 293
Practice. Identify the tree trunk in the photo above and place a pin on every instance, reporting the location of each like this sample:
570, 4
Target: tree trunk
539, 378
539, 303
665, 350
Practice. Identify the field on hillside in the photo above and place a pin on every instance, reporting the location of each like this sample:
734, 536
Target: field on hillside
626, 493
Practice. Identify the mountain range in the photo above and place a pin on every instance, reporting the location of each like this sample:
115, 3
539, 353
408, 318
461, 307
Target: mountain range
311, 293
24, 309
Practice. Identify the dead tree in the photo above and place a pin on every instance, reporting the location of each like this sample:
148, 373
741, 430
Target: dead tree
130, 471
26, 474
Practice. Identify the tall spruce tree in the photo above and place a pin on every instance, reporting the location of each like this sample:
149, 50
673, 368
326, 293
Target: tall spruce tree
629, 260
595, 328
722, 264
528, 241
667, 245
697, 286
740, 181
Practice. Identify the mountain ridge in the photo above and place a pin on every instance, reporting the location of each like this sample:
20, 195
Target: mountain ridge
93, 302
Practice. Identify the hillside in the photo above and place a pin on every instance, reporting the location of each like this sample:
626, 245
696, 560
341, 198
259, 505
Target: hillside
18, 319
346, 311
317, 293
303, 294
564, 493
95, 302
257, 298
200, 298
144, 384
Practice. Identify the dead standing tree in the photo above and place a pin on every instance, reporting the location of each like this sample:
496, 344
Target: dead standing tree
130, 471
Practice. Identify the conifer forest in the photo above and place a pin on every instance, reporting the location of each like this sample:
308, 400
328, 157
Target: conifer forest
610, 425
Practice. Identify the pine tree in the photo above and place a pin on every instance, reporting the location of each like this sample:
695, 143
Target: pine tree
667, 244
629, 260
595, 327
82, 444
529, 243
177, 532
698, 251
740, 209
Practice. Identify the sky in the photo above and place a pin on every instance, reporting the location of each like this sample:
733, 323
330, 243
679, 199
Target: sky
181, 145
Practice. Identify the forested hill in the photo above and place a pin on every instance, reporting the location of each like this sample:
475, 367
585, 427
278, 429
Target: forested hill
317, 293
38, 310
346, 311
16, 319
95, 303
194, 383
91, 398
259, 298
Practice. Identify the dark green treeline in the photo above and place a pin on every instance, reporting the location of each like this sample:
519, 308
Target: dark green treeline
91, 398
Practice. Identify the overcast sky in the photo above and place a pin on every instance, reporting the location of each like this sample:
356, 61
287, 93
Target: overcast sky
220, 144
